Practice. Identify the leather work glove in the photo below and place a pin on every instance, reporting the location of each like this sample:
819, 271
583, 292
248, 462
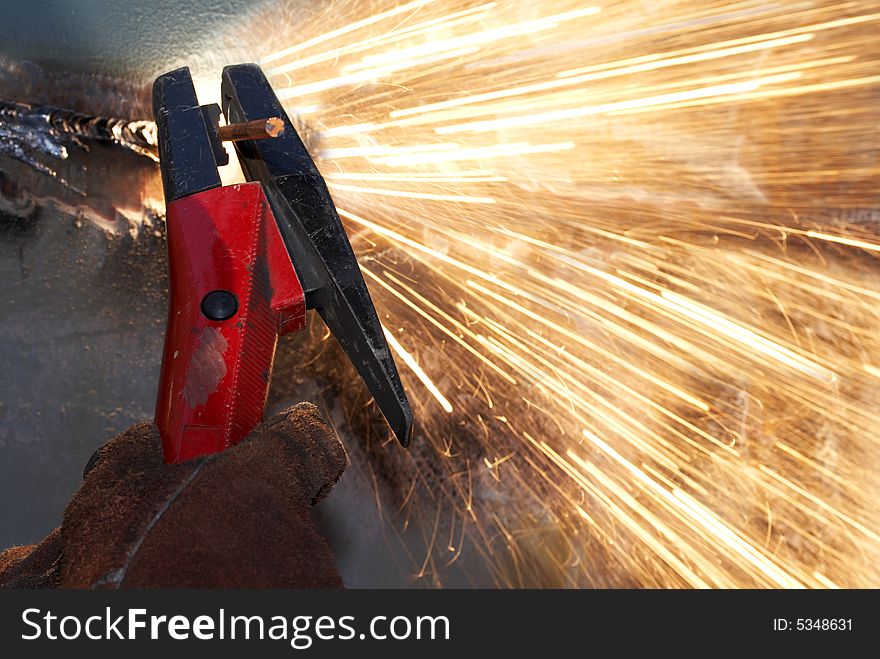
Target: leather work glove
236, 519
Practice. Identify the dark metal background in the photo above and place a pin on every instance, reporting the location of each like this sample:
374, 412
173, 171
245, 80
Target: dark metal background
111, 38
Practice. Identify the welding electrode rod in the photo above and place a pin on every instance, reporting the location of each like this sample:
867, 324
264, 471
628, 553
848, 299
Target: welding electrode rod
257, 129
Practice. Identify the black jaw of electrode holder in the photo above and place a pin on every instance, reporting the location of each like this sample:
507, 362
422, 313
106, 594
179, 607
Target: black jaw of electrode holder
190, 150
190, 153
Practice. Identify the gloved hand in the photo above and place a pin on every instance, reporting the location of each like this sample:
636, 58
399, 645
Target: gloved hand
236, 519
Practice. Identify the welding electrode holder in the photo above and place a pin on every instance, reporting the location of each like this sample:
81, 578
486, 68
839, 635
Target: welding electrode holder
245, 262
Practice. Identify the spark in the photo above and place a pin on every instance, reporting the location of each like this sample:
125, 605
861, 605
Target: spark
411, 362
844, 240
715, 92
451, 177
635, 252
462, 199
714, 53
345, 30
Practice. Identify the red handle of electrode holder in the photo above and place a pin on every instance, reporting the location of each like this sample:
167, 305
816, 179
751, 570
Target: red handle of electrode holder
233, 291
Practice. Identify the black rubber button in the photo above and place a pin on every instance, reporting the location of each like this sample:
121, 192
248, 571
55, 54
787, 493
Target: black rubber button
219, 305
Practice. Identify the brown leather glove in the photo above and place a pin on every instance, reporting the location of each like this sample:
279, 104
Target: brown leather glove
236, 519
